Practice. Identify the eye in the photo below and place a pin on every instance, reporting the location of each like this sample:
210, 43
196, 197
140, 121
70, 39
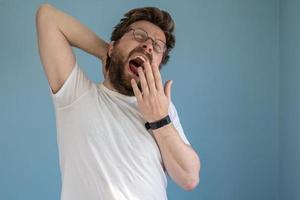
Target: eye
140, 35
157, 47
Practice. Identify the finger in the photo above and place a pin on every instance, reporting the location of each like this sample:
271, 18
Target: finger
157, 78
143, 81
136, 90
168, 89
150, 78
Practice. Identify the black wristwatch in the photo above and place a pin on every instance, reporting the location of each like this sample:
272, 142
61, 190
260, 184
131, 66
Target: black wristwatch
158, 124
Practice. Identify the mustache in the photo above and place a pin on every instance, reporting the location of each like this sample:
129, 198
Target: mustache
141, 50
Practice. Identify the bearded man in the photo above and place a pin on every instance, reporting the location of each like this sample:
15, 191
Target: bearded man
118, 139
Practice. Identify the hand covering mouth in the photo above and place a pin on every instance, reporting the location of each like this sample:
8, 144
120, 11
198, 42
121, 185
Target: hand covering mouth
135, 63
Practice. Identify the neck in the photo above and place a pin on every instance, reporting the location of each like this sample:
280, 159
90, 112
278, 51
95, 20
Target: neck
108, 84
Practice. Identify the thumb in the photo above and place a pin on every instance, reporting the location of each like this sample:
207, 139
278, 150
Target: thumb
168, 89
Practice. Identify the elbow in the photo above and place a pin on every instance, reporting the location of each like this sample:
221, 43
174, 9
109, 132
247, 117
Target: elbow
191, 183
193, 179
43, 11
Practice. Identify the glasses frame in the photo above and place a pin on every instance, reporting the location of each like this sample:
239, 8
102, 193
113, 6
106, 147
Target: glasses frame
154, 41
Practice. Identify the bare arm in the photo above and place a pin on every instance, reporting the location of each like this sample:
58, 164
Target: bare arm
57, 32
180, 160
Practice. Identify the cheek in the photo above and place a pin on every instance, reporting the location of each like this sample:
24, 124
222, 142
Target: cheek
127, 45
157, 60
122, 50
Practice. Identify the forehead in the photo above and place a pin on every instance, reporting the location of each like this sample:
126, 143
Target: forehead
151, 29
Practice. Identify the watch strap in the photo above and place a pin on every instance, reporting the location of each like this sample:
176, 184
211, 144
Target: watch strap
158, 124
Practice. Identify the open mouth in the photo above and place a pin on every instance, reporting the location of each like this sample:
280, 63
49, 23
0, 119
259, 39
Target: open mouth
135, 63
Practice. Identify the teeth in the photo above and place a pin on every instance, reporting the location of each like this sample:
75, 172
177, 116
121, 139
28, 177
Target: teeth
141, 57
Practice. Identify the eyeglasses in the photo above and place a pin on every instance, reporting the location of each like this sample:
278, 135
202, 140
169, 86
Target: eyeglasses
141, 36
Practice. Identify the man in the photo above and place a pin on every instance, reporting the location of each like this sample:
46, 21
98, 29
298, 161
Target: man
116, 139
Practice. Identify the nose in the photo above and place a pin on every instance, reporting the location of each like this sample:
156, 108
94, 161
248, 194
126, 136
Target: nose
148, 45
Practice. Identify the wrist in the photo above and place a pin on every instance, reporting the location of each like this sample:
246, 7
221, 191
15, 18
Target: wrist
158, 123
163, 133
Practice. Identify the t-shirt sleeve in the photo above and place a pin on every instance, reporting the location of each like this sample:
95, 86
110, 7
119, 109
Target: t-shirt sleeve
75, 86
176, 122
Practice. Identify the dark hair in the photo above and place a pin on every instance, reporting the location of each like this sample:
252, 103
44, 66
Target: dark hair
158, 17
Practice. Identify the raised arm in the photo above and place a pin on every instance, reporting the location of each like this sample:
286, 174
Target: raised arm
57, 32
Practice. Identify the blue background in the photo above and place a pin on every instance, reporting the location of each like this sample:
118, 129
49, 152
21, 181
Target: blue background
236, 73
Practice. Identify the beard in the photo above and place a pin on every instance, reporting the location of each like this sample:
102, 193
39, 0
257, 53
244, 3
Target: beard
116, 65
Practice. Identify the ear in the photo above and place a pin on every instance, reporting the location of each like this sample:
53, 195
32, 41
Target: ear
110, 47
109, 52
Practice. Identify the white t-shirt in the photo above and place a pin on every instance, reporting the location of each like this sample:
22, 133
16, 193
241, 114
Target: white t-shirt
105, 152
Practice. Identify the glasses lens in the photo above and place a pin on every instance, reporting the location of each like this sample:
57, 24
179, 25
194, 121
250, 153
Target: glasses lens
140, 35
159, 46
